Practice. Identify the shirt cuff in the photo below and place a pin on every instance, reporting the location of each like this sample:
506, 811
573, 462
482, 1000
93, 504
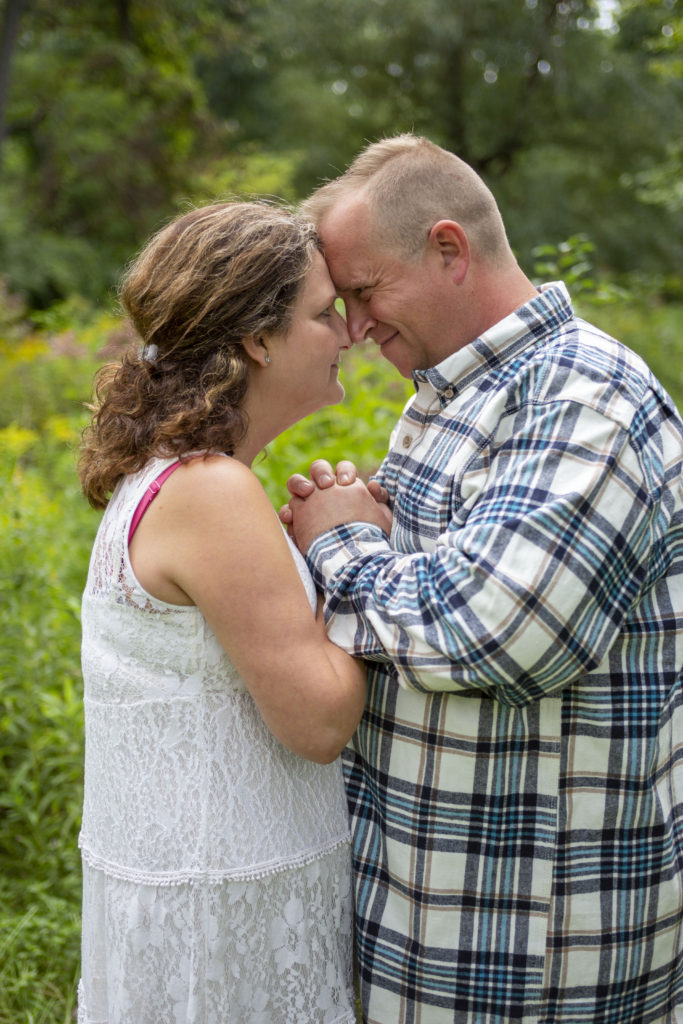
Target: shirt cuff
332, 550
335, 558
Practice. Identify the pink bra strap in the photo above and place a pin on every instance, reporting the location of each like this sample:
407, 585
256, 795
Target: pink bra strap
149, 496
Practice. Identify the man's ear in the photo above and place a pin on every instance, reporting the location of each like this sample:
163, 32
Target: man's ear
449, 240
255, 347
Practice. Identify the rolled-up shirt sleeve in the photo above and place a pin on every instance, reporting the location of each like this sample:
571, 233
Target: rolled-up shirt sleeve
528, 584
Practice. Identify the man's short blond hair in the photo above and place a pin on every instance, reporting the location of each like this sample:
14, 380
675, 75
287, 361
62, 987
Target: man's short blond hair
410, 184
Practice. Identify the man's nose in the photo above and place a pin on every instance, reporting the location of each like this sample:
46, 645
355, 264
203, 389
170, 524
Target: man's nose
359, 322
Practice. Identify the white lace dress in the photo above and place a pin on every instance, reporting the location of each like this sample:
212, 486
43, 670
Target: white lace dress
216, 863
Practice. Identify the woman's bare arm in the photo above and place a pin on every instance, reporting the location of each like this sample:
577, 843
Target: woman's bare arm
211, 538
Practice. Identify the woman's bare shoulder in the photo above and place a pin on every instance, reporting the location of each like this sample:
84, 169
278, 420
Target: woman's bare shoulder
219, 497
215, 477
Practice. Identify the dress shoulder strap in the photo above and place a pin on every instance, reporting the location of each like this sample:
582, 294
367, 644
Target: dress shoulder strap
149, 496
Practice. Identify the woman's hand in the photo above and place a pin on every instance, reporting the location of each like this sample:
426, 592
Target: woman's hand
323, 477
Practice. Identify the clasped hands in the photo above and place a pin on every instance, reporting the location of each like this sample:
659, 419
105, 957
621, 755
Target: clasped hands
330, 498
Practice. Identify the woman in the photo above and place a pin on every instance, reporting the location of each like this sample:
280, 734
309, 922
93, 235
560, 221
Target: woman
215, 848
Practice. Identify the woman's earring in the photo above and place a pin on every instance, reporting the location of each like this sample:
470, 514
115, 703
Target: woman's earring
267, 359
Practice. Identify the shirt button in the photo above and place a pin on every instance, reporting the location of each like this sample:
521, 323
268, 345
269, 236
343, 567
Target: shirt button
407, 441
448, 393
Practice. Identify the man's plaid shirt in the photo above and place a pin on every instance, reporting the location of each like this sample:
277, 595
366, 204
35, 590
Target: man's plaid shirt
516, 783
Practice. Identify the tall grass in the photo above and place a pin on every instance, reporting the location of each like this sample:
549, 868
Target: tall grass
46, 531
45, 535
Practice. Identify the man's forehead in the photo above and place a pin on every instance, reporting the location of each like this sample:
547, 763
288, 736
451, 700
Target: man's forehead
348, 279
348, 273
345, 235
347, 222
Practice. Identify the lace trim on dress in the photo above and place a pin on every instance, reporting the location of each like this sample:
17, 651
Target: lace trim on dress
242, 874
83, 1018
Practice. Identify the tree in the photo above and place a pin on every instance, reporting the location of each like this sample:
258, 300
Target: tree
120, 111
655, 28
8, 37
548, 103
105, 118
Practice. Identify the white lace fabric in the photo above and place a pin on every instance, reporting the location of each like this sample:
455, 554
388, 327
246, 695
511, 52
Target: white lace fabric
216, 863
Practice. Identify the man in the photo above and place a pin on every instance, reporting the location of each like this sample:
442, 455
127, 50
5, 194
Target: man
516, 784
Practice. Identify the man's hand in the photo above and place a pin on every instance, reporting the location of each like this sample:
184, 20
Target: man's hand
322, 476
331, 498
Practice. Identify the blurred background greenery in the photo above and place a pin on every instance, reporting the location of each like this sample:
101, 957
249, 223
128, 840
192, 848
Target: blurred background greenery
116, 115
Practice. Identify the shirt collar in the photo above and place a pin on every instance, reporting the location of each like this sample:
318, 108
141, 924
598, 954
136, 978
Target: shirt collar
502, 342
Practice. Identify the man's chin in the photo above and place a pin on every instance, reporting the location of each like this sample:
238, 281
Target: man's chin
402, 368
391, 351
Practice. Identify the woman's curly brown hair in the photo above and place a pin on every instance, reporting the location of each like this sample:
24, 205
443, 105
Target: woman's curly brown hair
205, 282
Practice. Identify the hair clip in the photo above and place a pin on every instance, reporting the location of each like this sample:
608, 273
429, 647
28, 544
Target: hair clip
148, 353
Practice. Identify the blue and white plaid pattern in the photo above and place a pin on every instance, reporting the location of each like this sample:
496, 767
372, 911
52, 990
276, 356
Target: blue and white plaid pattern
516, 783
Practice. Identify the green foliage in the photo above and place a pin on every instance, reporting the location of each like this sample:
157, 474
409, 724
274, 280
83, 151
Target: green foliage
536, 95
250, 173
656, 26
120, 114
101, 131
45, 535
46, 532
46, 375
572, 262
662, 185
39, 954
